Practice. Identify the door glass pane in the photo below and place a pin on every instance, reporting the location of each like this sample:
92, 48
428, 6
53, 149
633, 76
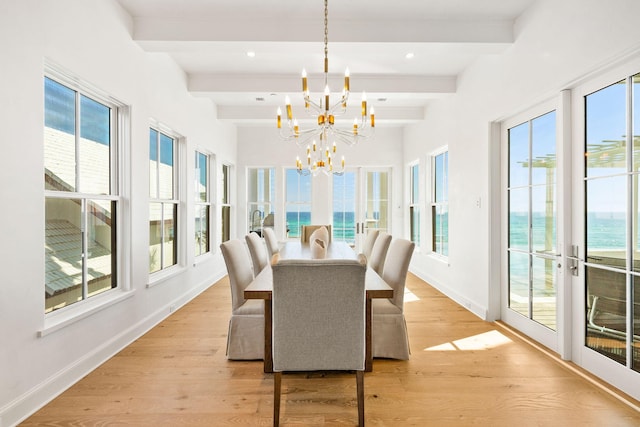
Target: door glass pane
376, 200
543, 149
519, 282
94, 147
59, 137
606, 130
606, 221
344, 207
63, 252
519, 219
544, 291
519, 155
543, 219
298, 201
101, 242
606, 298
260, 195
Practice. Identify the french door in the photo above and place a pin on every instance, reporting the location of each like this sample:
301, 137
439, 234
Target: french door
606, 285
532, 270
361, 202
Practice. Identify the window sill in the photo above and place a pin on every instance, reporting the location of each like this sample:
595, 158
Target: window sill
440, 258
64, 317
203, 258
164, 275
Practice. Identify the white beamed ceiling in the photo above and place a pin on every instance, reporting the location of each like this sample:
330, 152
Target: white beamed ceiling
209, 40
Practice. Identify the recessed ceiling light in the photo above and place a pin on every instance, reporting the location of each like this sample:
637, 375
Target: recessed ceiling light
251, 54
409, 55
259, 99
382, 99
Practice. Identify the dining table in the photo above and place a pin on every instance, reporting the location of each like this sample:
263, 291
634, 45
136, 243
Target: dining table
262, 287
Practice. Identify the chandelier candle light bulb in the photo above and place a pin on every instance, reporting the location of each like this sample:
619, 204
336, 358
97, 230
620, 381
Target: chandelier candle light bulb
325, 127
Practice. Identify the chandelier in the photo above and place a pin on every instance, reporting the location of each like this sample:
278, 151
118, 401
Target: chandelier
320, 139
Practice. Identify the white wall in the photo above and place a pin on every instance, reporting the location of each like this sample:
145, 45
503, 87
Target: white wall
557, 43
262, 147
90, 39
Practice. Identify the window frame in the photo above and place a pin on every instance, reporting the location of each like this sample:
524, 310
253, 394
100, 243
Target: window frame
414, 201
208, 202
179, 227
119, 171
435, 204
226, 201
297, 204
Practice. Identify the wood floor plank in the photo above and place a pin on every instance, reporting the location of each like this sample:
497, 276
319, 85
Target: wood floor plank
462, 372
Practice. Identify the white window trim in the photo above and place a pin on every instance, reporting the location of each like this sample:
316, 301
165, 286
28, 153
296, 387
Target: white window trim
121, 172
210, 202
412, 203
432, 202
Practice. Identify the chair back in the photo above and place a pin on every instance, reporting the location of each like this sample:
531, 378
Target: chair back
239, 268
306, 230
396, 267
379, 252
258, 252
271, 241
372, 234
318, 314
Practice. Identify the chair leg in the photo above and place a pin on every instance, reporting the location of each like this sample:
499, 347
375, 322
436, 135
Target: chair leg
277, 379
360, 388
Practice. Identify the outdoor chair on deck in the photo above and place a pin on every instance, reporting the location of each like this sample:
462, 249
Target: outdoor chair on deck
245, 339
318, 321
307, 230
389, 336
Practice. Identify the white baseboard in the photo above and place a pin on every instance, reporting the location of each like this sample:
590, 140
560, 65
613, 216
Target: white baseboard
476, 309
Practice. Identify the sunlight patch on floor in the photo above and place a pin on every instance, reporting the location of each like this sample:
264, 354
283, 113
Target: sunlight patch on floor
484, 341
410, 296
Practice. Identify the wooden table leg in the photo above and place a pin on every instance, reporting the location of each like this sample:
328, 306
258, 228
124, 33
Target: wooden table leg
268, 355
368, 361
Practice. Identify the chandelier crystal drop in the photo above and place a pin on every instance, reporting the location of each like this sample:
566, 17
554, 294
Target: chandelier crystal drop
319, 141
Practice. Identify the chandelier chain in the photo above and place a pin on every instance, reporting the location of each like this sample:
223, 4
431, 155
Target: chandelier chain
326, 35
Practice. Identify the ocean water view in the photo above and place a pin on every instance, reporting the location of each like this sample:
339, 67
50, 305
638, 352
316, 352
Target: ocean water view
343, 227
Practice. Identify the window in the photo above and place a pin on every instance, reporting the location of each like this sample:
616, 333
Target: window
260, 196
81, 192
226, 203
414, 203
202, 206
163, 206
298, 201
440, 204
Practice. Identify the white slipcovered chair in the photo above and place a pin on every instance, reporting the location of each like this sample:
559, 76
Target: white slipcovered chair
389, 336
245, 339
318, 320
367, 247
258, 251
271, 241
379, 252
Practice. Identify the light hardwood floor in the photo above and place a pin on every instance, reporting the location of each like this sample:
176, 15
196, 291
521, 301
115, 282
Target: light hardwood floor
463, 371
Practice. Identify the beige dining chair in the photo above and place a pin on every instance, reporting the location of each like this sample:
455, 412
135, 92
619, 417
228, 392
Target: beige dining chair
258, 251
245, 338
367, 247
389, 336
271, 241
318, 321
307, 230
379, 252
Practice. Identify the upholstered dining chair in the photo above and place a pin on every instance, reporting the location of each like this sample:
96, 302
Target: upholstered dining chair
307, 230
379, 252
271, 241
245, 339
258, 251
367, 247
389, 336
318, 320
